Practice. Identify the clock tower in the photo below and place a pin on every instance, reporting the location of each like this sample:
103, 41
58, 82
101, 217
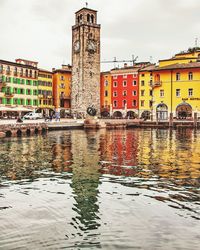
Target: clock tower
85, 91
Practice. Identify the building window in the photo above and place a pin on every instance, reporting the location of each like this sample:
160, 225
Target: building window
15, 71
125, 76
26, 72
134, 103
8, 70
125, 93
134, 83
142, 103
142, 75
178, 92
150, 104
21, 72
124, 83
106, 93
105, 83
62, 85
142, 83
124, 103
114, 84
135, 75
190, 76
15, 101
134, 93
115, 77
178, 76
115, 104
150, 92
15, 90
190, 92
115, 93
162, 93
142, 92
62, 78
21, 91
1, 68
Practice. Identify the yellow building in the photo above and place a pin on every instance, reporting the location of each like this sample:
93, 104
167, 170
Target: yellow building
176, 86
62, 89
45, 91
105, 92
145, 92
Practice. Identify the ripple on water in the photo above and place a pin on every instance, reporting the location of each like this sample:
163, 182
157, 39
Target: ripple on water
97, 189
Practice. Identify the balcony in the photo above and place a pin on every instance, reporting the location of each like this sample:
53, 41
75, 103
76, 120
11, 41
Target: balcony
40, 96
8, 72
49, 96
65, 97
155, 84
9, 94
15, 73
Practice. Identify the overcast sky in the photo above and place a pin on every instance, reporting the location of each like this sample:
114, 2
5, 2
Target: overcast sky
40, 30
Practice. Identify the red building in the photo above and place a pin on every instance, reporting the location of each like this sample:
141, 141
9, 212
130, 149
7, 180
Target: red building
125, 90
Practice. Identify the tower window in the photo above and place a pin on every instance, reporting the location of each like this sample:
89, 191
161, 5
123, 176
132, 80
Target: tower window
88, 18
92, 19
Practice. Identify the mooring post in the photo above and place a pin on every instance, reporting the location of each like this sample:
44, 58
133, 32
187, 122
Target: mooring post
171, 119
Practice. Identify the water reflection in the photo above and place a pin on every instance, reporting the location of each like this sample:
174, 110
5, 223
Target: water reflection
105, 178
85, 182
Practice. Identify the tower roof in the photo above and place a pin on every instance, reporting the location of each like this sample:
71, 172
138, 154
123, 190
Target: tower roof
84, 8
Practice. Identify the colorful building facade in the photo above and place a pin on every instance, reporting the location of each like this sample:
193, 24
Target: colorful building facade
45, 91
62, 89
145, 92
19, 85
106, 94
125, 92
176, 87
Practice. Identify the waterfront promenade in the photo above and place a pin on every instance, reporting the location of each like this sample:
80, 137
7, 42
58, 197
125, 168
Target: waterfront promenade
30, 127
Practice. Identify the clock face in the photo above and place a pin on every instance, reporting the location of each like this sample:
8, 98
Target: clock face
77, 46
91, 46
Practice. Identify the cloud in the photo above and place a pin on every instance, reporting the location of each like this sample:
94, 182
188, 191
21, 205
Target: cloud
41, 30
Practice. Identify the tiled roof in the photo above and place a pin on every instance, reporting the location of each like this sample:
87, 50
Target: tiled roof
17, 64
44, 70
149, 68
179, 66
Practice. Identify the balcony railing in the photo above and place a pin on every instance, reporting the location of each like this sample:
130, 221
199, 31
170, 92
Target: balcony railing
155, 84
65, 97
9, 94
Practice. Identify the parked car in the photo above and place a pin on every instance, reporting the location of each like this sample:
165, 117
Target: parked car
32, 116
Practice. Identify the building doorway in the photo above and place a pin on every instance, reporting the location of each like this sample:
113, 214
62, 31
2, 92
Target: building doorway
184, 111
162, 112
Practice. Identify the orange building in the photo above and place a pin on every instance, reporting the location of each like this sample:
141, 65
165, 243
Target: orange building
62, 89
105, 93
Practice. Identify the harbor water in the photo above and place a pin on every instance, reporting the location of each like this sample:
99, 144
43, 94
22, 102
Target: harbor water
105, 189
